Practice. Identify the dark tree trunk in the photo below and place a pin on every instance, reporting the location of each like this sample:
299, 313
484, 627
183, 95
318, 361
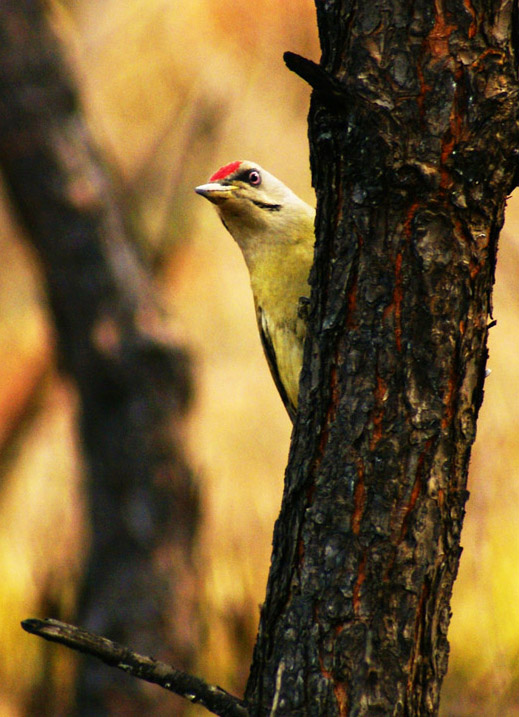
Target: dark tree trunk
413, 133
134, 384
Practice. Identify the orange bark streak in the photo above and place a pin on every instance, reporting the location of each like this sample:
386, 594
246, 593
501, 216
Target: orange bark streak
438, 38
380, 394
478, 64
409, 218
356, 588
448, 402
342, 698
474, 269
472, 12
424, 89
417, 486
441, 498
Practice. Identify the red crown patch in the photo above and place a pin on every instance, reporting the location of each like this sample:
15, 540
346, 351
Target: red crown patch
225, 171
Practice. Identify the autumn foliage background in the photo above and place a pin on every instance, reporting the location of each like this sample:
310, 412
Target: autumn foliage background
171, 91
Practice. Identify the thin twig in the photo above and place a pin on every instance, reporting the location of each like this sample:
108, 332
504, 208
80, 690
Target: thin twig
213, 698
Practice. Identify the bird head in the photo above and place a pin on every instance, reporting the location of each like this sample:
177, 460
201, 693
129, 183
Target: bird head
255, 207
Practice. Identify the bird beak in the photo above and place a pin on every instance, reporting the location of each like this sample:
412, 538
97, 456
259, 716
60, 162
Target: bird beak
215, 192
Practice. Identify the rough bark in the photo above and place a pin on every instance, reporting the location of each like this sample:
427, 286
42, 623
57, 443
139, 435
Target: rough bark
413, 133
133, 380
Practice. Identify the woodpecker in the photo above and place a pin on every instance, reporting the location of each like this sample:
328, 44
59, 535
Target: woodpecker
275, 232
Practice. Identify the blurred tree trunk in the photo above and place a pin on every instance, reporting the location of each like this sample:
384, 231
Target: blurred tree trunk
134, 382
414, 136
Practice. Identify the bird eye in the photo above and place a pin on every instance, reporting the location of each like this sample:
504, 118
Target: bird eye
254, 177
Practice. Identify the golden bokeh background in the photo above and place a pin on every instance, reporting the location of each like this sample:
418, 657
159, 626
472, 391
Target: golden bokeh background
171, 91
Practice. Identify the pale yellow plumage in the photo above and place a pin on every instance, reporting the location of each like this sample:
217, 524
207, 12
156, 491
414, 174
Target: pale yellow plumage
275, 231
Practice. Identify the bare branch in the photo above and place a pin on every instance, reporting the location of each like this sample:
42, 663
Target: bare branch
315, 75
338, 95
194, 689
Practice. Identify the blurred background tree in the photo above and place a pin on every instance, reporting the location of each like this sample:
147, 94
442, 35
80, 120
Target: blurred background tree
131, 375
171, 91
